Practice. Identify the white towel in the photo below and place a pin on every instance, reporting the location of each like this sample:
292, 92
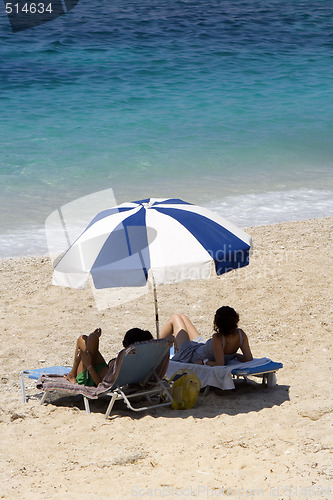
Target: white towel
216, 376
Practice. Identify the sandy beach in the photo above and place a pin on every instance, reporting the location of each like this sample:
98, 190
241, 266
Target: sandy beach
252, 442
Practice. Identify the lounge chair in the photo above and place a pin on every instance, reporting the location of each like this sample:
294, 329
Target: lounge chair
222, 377
136, 374
37, 372
264, 368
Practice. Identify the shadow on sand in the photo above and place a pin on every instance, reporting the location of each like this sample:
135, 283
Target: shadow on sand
248, 396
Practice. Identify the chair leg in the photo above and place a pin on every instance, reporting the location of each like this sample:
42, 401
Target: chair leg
271, 379
86, 404
42, 398
110, 406
206, 390
24, 398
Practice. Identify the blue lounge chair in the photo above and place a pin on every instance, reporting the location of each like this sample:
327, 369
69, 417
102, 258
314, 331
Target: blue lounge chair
222, 376
38, 372
136, 374
267, 371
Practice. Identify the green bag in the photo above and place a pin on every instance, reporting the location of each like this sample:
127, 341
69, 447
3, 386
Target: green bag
185, 389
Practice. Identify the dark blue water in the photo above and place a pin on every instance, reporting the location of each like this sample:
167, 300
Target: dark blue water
223, 103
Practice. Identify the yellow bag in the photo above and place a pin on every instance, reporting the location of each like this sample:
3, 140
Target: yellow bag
185, 389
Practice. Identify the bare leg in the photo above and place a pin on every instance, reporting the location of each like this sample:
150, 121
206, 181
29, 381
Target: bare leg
180, 327
93, 347
80, 346
190, 328
85, 344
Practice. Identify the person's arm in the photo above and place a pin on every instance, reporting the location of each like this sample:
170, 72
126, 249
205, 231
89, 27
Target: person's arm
245, 348
96, 378
86, 359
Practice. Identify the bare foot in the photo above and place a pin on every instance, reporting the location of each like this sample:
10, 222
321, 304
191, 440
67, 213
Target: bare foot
98, 332
70, 378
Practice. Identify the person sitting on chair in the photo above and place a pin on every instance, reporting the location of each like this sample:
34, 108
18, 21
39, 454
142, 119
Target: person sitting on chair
191, 347
89, 366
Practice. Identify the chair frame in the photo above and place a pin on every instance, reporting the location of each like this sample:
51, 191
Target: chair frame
145, 383
160, 389
267, 374
37, 372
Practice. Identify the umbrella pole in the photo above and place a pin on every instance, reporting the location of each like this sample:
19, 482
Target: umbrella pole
156, 308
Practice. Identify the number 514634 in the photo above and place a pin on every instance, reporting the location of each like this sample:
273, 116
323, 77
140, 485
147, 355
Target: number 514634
28, 8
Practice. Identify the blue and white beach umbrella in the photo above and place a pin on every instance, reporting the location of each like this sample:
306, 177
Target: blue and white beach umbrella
166, 240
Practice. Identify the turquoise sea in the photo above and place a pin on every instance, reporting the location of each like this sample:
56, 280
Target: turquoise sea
227, 104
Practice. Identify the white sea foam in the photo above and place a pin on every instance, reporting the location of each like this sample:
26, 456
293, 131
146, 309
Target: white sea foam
243, 210
274, 206
24, 242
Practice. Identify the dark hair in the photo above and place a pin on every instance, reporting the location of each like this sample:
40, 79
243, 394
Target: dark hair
225, 321
136, 335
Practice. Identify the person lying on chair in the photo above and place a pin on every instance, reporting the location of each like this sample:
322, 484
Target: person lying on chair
191, 347
89, 366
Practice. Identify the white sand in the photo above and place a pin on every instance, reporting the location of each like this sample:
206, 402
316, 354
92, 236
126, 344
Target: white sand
250, 443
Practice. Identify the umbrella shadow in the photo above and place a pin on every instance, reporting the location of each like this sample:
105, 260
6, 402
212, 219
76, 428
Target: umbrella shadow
247, 397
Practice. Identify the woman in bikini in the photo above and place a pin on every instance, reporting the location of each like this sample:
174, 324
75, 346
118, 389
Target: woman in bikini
89, 366
219, 349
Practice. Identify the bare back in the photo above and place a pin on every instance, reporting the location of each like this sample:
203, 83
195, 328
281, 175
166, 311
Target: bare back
232, 342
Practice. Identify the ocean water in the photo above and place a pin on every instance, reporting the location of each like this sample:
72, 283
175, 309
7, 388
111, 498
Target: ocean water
227, 104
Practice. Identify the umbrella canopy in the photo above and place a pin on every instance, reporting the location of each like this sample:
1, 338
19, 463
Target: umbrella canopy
169, 239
